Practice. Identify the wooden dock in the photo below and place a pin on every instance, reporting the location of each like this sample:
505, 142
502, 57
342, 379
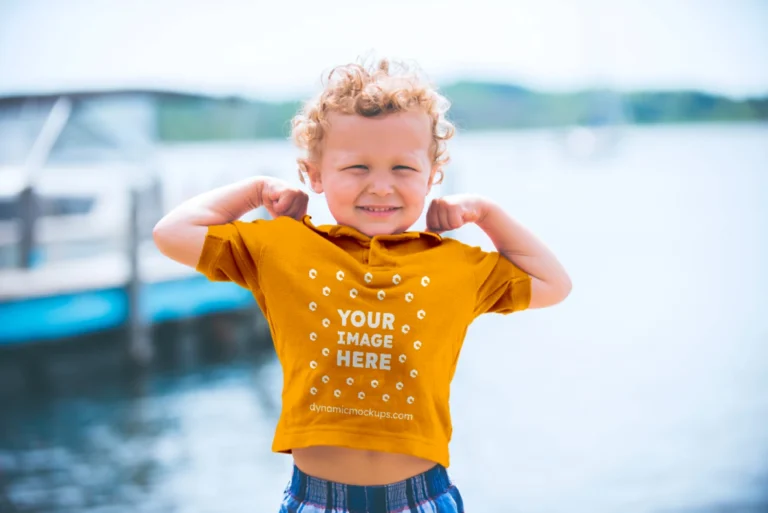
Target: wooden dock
76, 212
67, 299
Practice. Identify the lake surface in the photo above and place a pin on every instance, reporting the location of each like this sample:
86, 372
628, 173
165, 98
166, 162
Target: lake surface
645, 391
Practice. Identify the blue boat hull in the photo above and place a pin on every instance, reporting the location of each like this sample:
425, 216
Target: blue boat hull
81, 313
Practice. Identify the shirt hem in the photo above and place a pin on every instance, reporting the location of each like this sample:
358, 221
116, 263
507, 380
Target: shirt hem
285, 442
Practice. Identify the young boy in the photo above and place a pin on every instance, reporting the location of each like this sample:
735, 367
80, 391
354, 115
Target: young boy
367, 318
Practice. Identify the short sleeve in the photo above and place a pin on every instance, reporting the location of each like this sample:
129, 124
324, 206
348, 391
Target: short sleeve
231, 252
501, 286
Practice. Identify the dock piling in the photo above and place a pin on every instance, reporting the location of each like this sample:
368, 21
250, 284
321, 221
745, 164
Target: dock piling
140, 348
28, 214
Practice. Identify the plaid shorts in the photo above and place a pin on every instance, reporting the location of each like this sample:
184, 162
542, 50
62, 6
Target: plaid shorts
430, 492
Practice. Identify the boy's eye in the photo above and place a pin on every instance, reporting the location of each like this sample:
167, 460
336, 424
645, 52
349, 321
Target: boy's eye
360, 167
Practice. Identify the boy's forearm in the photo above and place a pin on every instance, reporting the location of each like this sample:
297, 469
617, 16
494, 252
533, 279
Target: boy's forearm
520, 246
180, 235
221, 205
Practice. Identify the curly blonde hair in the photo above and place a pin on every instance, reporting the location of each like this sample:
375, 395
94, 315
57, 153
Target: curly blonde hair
385, 87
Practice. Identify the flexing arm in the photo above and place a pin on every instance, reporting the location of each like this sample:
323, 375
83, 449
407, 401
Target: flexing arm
550, 283
181, 233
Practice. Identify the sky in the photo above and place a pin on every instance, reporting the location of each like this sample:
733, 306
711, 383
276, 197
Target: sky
277, 50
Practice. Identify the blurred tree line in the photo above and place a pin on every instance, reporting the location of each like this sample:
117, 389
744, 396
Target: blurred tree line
475, 106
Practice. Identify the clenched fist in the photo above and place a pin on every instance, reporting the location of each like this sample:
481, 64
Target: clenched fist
282, 199
452, 212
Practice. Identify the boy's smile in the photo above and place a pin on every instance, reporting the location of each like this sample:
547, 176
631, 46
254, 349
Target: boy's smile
375, 172
379, 211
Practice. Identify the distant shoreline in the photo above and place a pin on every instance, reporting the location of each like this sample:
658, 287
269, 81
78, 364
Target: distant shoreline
475, 106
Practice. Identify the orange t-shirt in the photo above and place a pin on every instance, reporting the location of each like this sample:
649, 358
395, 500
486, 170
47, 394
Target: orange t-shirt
368, 330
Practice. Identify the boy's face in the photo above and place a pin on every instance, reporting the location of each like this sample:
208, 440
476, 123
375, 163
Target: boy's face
375, 172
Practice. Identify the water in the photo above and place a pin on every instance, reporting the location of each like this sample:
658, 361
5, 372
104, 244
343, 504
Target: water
646, 391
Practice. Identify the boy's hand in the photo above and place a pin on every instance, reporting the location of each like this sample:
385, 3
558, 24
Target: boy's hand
452, 212
282, 199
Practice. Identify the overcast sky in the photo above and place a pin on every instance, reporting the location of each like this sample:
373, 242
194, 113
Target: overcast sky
278, 49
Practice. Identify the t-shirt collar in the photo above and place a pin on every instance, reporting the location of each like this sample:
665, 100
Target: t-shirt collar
338, 230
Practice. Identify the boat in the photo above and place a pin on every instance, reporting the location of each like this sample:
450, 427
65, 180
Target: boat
79, 194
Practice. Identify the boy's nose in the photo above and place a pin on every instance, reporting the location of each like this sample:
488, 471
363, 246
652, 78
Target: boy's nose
380, 186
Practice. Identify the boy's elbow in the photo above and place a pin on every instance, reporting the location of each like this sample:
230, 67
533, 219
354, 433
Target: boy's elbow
562, 289
549, 293
160, 236
180, 241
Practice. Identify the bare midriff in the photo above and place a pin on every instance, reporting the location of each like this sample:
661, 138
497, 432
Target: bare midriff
358, 467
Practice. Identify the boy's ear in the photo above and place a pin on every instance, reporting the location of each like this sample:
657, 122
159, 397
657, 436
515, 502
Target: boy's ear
315, 180
435, 177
